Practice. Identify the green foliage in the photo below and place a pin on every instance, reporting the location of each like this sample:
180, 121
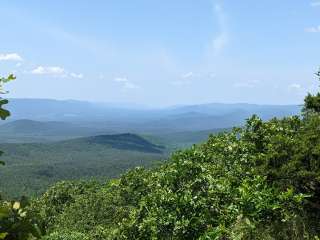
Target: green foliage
17, 222
206, 189
3, 112
59, 197
66, 235
95, 208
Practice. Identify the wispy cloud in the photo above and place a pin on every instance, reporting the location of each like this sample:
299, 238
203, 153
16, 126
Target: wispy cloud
315, 4
312, 29
125, 83
187, 75
221, 40
121, 79
10, 57
55, 71
295, 86
40, 70
297, 89
75, 75
185, 79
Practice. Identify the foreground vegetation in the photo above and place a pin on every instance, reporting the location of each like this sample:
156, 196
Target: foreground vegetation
261, 181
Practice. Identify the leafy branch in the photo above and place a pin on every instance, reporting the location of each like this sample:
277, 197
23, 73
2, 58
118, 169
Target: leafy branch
3, 80
4, 113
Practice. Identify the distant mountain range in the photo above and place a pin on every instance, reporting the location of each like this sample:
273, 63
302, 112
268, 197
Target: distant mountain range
114, 118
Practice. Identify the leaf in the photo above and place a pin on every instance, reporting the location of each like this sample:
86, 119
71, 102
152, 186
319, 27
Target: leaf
4, 212
3, 112
11, 77
3, 235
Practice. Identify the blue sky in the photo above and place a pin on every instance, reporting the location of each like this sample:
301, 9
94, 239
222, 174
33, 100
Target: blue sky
161, 52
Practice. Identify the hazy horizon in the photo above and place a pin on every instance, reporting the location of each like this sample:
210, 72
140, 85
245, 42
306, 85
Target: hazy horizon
146, 106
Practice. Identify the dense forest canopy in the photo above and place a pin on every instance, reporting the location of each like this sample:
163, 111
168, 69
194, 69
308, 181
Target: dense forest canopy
261, 181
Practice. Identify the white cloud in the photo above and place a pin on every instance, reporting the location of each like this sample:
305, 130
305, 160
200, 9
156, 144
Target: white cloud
187, 75
75, 75
55, 71
10, 57
313, 29
125, 83
315, 4
40, 70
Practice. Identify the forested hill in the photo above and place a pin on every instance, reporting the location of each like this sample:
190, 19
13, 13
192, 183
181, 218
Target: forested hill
126, 141
32, 167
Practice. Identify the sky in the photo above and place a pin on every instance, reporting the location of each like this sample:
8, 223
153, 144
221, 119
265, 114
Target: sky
161, 52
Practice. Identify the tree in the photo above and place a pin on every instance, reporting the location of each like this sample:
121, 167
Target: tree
312, 102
